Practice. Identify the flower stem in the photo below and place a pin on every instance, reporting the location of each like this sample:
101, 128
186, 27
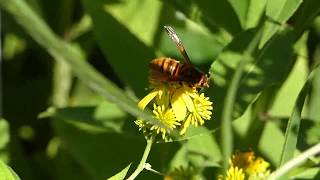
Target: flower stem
143, 159
295, 162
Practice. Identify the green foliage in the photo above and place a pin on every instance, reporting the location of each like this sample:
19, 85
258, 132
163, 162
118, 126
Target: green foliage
86, 62
4, 140
278, 12
7, 173
121, 175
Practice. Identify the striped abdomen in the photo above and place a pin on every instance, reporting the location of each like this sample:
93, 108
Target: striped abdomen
167, 66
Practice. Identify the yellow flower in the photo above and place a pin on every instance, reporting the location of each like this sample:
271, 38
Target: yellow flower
176, 106
233, 173
242, 159
180, 101
182, 173
253, 167
250, 163
148, 98
166, 117
200, 110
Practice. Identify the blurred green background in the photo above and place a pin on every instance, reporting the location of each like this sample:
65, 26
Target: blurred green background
72, 72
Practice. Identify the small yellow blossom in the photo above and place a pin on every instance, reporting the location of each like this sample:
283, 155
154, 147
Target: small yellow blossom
182, 173
177, 106
165, 116
200, 111
233, 173
252, 167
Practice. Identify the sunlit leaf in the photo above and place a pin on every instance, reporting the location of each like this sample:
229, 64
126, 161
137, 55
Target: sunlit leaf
279, 12
7, 173
255, 12
4, 139
126, 50
268, 67
211, 13
121, 175
241, 72
292, 130
307, 173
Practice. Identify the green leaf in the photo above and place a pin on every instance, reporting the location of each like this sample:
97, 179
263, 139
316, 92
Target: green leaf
200, 150
249, 11
130, 15
314, 104
307, 173
293, 125
305, 15
6, 173
4, 133
100, 153
279, 11
282, 10
282, 171
241, 72
200, 45
211, 13
103, 118
121, 175
4, 139
41, 33
272, 134
264, 68
241, 9
124, 39
254, 13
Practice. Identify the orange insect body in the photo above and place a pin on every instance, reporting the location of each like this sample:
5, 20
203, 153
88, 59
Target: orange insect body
166, 69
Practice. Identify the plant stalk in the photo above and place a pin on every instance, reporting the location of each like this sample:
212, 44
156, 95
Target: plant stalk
295, 162
141, 165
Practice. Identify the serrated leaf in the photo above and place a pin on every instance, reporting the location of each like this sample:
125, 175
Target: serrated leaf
121, 175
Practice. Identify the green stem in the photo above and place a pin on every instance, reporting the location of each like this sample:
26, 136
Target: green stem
295, 162
226, 129
228, 108
143, 159
62, 83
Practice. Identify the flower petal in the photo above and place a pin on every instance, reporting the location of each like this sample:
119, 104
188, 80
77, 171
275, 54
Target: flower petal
145, 101
178, 105
186, 125
188, 101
